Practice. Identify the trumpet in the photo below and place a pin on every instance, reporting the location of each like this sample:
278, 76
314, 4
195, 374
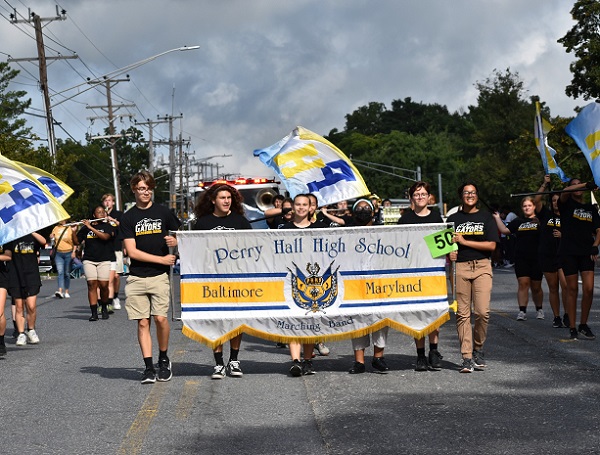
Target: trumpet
77, 223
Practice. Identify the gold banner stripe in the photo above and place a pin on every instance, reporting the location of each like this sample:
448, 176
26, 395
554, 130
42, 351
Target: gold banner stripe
394, 288
228, 292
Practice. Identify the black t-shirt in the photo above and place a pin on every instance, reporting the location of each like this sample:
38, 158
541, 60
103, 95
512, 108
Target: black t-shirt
233, 221
329, 223
96, 249
316, 225
410, 217
148, 227
23, 269
578, 227
118, 240
478, 227
527, 231
549, 222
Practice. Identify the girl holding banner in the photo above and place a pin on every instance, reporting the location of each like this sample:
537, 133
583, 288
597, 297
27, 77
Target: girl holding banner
419, 197
301, 220
221, 208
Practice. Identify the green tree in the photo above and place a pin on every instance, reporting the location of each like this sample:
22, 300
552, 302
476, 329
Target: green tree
14, 134
584, 41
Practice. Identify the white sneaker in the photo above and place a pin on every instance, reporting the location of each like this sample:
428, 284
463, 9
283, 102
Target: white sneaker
32, 337
521, 316
58, 294
321, 348
67, 295
21, 340
116, 303
540, 314
219, 372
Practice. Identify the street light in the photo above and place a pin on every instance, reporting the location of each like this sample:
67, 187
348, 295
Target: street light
91, 83
102, 80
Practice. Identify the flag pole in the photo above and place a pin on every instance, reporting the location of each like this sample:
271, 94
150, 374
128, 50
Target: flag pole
549, 192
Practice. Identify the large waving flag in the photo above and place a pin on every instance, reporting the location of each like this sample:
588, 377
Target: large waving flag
585, 131
308, 163
541, 129
26, 206
59, 189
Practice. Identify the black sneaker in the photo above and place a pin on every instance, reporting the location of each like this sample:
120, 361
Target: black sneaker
422, 364
234, 368
164, 370
2, 349
149, 376
557, 324
573, 335
467, 366
435, 360
586, 332
307, 367
357, 368
379, 365
566, 320
296, 369
479, 359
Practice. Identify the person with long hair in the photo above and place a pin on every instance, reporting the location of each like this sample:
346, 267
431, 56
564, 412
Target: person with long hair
221, 208
302, 220
148, 237
113, 216
476, 234
419, 198
97, 238
528, 270
66, 248
578, 251
550, 235
5, 256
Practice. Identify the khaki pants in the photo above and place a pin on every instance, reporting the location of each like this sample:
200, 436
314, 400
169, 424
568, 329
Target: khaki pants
473, 284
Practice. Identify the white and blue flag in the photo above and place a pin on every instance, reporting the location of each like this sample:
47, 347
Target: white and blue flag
585, 131
26, 206
59, 189
308, 163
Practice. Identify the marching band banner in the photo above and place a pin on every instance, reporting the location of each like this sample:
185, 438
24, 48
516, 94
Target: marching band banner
310, 285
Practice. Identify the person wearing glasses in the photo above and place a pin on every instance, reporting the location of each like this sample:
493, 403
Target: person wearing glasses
419, 194
221, 208
145, 229
578, 251
476, 234
527, 266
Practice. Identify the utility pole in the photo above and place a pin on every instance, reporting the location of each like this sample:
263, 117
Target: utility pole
41, 58
110, 109
172, 161
151, 141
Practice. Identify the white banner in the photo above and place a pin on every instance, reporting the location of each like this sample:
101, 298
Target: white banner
310, 285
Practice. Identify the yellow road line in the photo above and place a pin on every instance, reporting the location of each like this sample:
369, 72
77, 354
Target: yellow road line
186, 401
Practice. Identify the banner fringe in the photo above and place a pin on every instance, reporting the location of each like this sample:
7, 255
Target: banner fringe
316, 339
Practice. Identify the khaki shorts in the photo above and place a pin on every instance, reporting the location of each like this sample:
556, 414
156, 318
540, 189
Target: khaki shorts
147, 296
117, 266
96, 271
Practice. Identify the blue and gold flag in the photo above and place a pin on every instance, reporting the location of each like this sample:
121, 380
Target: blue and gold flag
59, 189
26, 206
540, 130
308, 163
585, 131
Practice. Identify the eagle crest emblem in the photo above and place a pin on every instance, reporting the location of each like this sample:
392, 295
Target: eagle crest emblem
313, 292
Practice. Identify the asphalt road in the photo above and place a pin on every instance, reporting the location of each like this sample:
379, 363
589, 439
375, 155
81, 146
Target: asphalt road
78, 392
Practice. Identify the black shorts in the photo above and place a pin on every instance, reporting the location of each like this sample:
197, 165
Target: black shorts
528, 267
549, 263
23, 293
572, 265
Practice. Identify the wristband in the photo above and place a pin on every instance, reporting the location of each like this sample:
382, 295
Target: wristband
591, 186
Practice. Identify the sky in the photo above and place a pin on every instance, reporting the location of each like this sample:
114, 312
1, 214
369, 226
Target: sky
265, 66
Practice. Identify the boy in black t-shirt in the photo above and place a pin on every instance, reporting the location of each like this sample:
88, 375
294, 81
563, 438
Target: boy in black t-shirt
145, 231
